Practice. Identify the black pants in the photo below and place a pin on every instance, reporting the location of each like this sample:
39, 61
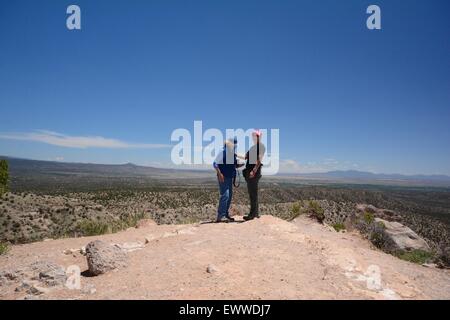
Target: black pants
252, 187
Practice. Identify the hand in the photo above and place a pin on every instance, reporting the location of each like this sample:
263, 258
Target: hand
220, 177
252, 174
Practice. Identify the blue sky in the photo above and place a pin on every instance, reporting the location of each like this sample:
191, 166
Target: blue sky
343, 97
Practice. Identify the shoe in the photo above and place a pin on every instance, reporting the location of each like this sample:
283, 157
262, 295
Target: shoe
249, 217
230, 219
224, 219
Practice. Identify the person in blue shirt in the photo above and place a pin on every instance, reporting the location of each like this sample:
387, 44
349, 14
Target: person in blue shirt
225, 166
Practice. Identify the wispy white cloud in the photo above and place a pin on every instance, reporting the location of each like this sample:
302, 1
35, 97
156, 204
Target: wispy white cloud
81, 142
290, 166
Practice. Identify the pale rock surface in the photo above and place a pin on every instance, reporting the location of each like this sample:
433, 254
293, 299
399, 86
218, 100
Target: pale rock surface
103, 257
402, 238
266, 258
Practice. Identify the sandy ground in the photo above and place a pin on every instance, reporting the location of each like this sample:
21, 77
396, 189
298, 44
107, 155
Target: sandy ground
267, 258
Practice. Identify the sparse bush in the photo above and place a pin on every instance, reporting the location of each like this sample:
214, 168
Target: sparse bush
4, 177
4, 248
377, 235
130, 221
316, 211
338, 227
374, 231
368, 217
416, 256
92, 228
296, 210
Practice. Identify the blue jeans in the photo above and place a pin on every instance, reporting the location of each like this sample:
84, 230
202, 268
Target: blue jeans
226, 194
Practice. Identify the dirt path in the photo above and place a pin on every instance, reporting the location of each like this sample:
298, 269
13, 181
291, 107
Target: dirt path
267, 258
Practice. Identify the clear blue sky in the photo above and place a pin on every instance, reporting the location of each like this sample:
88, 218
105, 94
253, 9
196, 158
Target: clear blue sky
342, 96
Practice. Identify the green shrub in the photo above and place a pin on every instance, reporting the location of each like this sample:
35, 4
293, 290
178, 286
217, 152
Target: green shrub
377, 235
368, 217
316, 211
416, 256
338, 227
374, 231
4, 177
92, 228
296, 210
127, 221
4, 248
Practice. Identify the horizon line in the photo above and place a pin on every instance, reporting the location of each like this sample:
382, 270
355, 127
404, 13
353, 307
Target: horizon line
205, 168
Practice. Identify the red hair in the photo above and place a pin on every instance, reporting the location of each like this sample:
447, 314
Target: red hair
257, 133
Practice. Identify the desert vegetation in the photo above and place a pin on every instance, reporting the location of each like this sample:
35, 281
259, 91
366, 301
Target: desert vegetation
416, 256
27, 216
51, 202
4, 247
338, 227
4, 176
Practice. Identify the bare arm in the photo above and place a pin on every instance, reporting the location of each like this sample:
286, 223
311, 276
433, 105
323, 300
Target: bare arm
257, 165
220, 175
218, 172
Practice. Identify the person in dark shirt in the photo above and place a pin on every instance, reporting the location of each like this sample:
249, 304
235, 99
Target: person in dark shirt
252, 173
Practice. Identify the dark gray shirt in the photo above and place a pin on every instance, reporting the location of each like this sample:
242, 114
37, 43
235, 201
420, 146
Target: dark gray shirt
252, 156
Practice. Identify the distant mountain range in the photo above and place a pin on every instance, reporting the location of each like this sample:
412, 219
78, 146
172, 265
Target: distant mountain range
354, 175
21, 167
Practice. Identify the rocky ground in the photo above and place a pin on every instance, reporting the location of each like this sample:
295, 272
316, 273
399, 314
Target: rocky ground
267, 258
